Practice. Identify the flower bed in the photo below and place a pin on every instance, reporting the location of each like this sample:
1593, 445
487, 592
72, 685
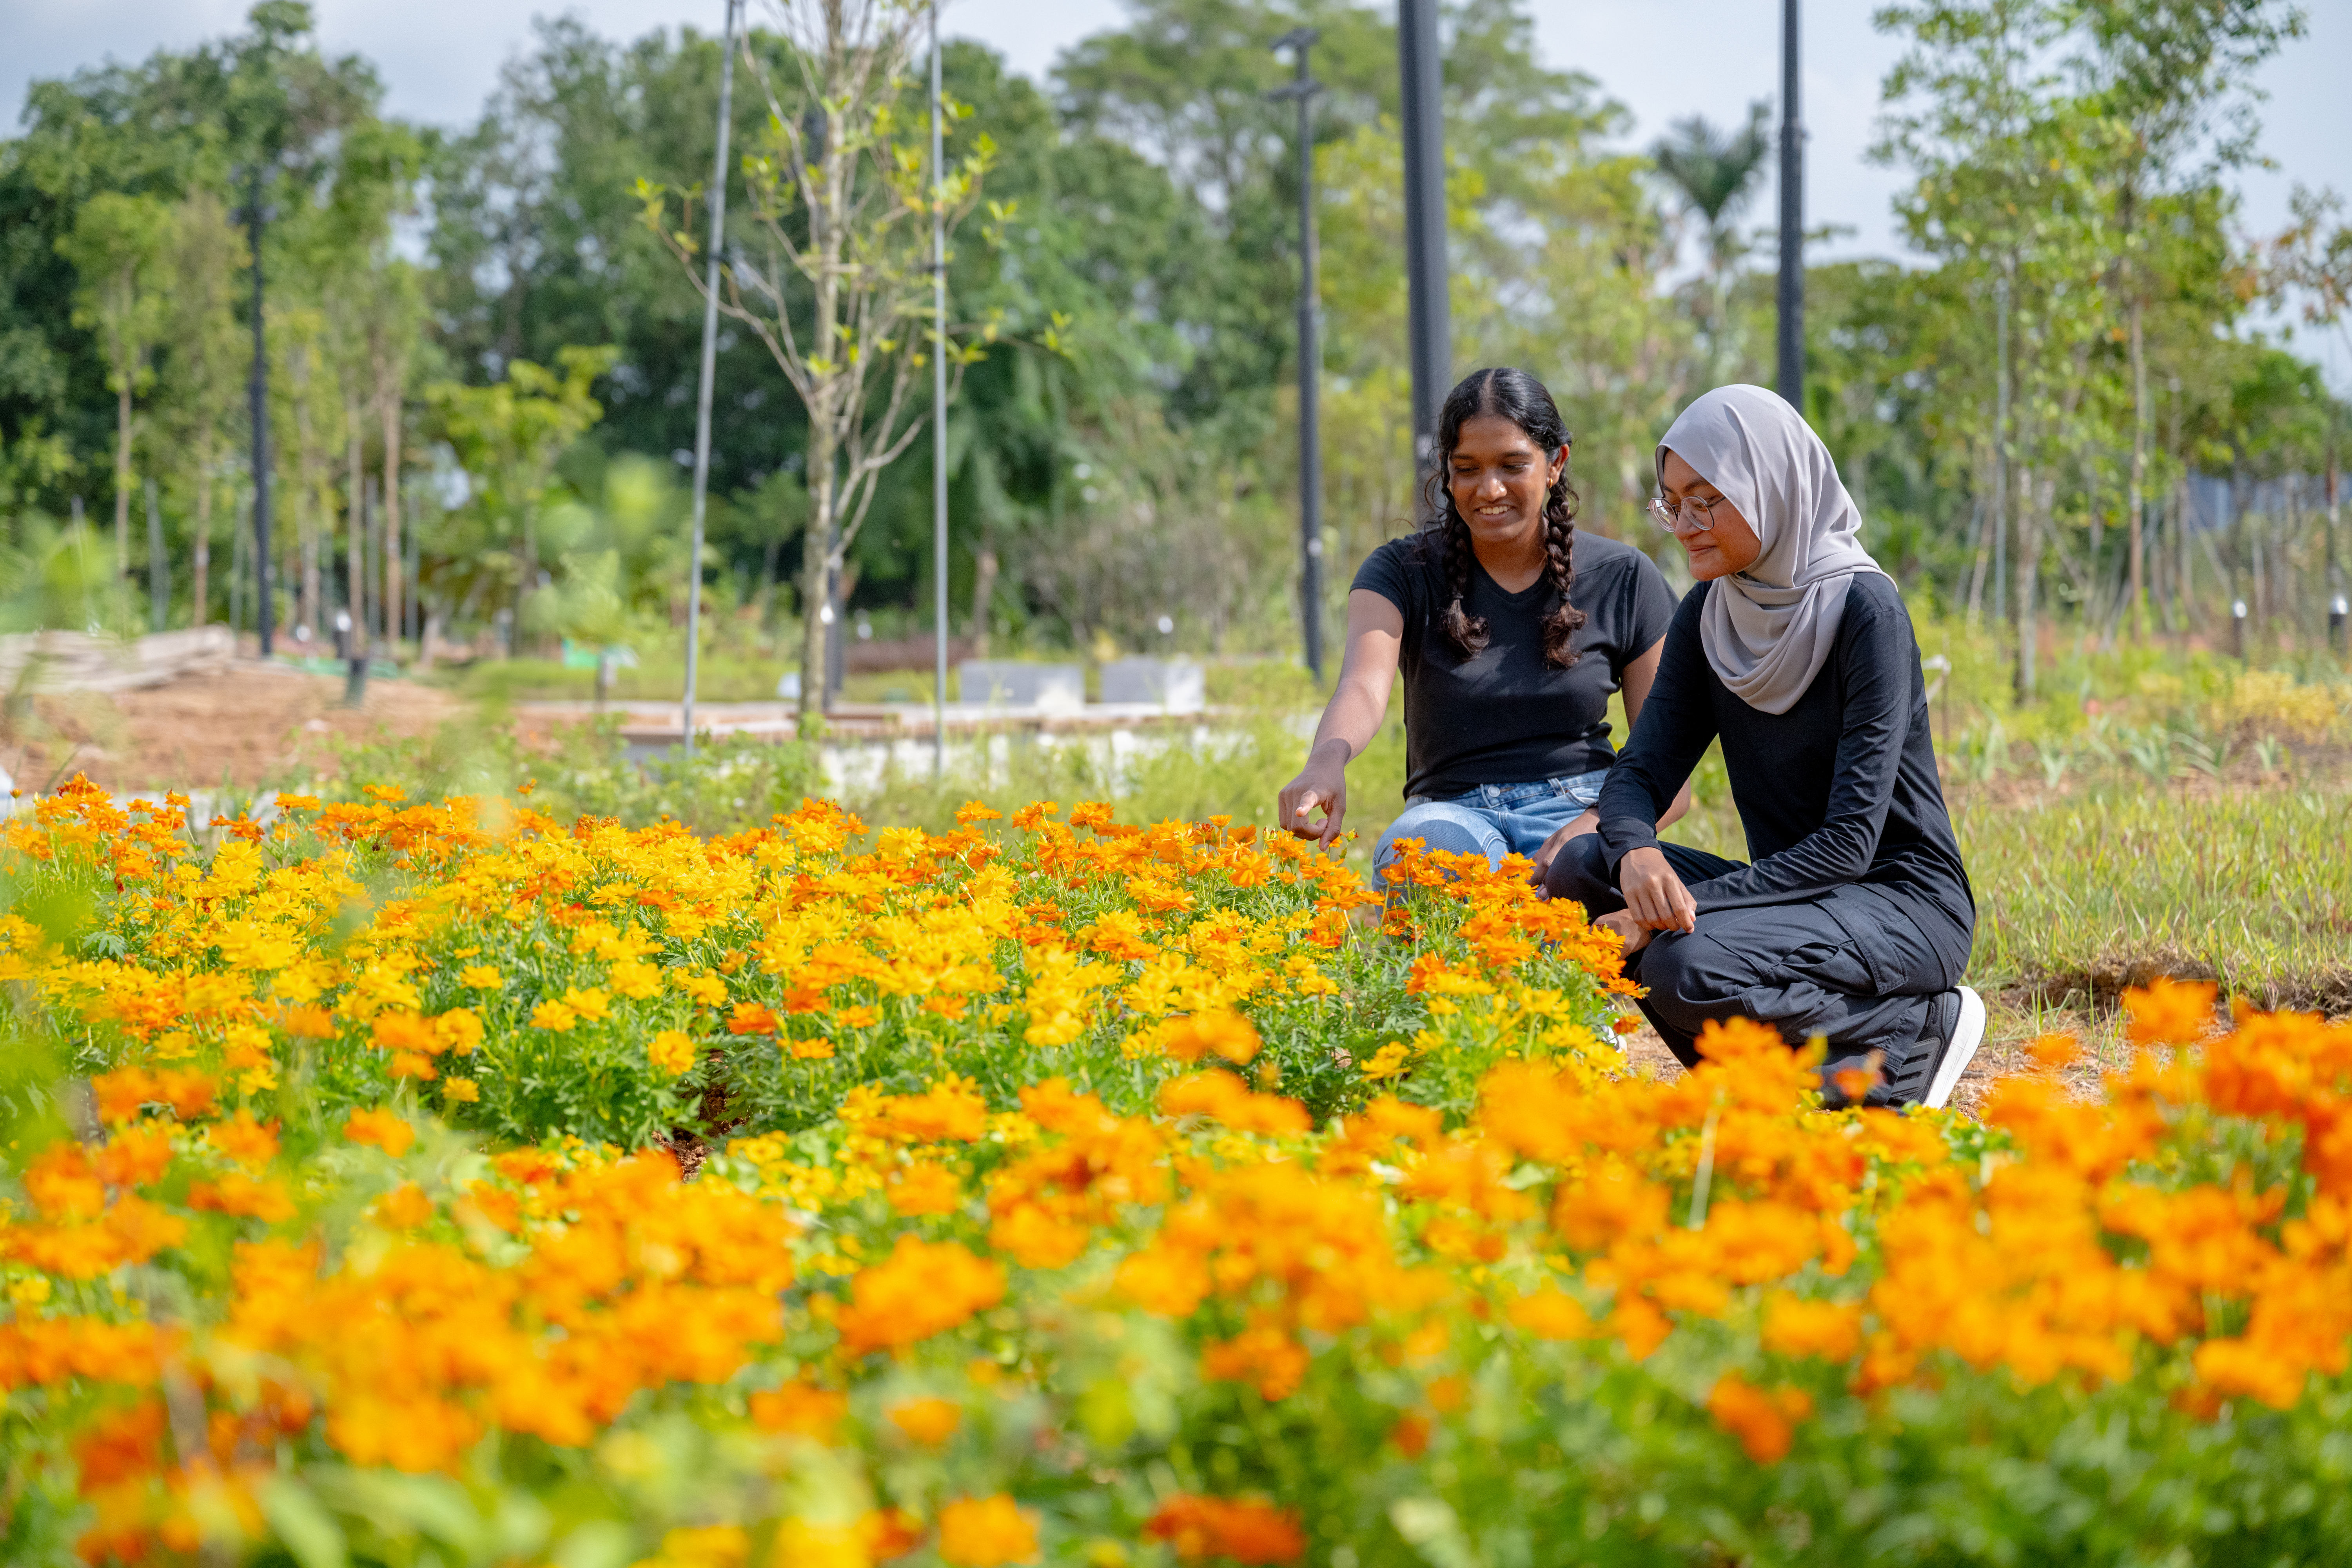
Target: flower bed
1065, 1191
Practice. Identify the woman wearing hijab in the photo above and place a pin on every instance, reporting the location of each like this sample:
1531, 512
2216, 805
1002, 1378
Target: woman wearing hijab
1855, 921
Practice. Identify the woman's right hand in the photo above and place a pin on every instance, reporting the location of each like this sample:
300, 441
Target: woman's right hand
1323, 782
1654, 896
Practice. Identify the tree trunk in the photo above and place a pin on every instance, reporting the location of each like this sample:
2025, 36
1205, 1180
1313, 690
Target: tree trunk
983, 594
396, 588
355, 529
2135, 585
816, 564
2031, 532
201, 551
122, 478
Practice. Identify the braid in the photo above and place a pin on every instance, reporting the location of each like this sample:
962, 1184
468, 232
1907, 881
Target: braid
1560, 627
1468, 631
1516, 395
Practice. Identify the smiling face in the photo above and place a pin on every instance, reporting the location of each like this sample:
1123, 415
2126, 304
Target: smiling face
1727, 544
1500, 478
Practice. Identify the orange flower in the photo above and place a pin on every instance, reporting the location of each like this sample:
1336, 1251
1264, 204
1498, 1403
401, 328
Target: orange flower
751, 1018
249, 1142
2171, 1012
1796, 1327
1216, 1032
1762, 1419
929, 1421
920, 1290
986, 1533
387, 1130
1238, 1529
802, 1408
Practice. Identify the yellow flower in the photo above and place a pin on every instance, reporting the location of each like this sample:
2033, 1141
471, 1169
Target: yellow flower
553, 1016
481, 977
591, 1004
1390, 1061
460, 1089
985, 1533
671, 1052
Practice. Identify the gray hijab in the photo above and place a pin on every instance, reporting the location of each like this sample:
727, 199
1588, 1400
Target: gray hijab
1769, 630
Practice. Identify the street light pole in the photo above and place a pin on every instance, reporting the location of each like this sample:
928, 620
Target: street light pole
1424, 222
1302, 90
709, 375
939, 424
1792, 217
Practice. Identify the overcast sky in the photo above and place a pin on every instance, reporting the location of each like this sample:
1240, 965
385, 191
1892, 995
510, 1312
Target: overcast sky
439, 60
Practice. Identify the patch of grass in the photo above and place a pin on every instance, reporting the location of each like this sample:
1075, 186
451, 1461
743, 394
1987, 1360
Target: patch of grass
2079, 896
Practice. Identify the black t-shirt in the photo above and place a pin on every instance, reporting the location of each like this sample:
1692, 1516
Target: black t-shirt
1841, 789
1505, 716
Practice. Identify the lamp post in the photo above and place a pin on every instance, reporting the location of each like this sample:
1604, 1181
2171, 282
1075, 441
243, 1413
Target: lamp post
1792, 218
1431, 329
1301, 91
709, 375
939, 424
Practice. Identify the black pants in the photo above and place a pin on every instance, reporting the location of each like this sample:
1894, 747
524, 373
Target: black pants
1855, 967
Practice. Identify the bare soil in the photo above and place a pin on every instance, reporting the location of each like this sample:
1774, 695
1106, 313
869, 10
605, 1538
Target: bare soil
252, 726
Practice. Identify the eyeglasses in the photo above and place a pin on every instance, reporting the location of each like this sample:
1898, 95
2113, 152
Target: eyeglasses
1697, 515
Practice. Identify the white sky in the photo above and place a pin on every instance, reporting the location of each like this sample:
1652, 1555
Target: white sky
439, 60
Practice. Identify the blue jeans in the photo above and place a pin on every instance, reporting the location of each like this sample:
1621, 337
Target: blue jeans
1493, 820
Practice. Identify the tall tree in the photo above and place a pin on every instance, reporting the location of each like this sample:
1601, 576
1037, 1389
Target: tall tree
204, 369
839, 204
119, 245
2173, 77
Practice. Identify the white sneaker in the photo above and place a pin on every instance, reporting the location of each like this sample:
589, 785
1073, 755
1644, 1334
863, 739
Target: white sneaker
1954, 1059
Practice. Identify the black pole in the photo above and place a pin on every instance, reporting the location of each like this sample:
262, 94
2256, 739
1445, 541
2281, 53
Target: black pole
1425, 220
1310, 363
265, 620
1792, 217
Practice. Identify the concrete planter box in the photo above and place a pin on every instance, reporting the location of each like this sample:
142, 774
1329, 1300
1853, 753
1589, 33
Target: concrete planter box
1172, 685
1002, 683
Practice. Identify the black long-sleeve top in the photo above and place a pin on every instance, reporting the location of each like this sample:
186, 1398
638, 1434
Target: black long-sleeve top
1839, 789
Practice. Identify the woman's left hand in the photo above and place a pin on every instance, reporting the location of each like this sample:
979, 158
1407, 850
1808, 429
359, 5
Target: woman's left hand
1636, 935
1590, 821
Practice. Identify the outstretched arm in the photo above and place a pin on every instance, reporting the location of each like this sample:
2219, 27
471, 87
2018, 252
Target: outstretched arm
1360, 701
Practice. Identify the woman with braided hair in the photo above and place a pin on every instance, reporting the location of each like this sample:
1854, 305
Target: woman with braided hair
1511, 629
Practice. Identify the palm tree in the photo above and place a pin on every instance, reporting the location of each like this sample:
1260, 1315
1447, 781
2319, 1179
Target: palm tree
1713, 173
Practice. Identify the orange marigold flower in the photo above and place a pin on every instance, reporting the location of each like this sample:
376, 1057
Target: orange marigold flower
1027, 818
134, 1157
2056, 1051
924, 1188
1243, 1529
387, 1130
802, 1408
238, 1193
2171, 1012
974, 811
1215, 1032
402, 1032
249, 1142
986, 1533
310, 1023
920, 1290
1795, 1326
403, 1208
1762, 1419
751, 1018
415, 1064
1552, 1314
929, 1421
